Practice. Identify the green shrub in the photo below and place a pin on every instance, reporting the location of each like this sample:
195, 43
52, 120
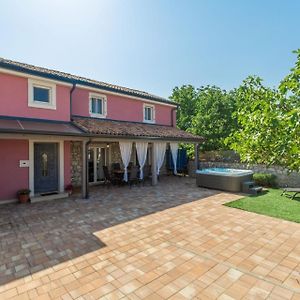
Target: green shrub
266, 180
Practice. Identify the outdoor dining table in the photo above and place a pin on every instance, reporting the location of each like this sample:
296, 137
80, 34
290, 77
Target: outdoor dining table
120, 173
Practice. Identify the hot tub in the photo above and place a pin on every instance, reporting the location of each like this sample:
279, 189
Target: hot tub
223, 179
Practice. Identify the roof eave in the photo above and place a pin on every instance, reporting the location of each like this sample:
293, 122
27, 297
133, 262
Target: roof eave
22, 131
105, 136
21, 69
152, 138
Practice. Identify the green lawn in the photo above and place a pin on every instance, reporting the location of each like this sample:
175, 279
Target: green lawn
270, 203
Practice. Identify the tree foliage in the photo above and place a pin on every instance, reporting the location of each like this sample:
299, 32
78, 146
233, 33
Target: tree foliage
214, 119
269, 122
206, 111
186, 96
260, 123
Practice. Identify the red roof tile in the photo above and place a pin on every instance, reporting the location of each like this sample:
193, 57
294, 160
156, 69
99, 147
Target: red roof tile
111, 128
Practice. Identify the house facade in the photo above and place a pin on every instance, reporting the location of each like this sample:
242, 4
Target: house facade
58, 129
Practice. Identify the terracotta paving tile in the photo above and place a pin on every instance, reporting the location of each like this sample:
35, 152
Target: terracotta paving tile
58, 292
8, 294
296, 297
172, 241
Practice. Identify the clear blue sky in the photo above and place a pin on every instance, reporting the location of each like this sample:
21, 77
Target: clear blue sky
154, 45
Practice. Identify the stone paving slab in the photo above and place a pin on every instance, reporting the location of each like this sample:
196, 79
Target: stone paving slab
172, 241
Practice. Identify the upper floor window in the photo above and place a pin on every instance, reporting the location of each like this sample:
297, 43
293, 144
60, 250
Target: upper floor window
149, 113
41, 94
97, 105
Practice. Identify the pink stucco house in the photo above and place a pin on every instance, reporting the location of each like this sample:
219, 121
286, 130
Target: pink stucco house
58, 129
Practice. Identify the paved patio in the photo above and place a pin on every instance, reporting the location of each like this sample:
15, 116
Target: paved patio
172, 241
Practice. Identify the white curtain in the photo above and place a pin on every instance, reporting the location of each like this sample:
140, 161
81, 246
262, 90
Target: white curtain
174, 151
141, 150
125, 148
159, 150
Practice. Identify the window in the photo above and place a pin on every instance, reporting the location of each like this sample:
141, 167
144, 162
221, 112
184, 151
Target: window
41, 94
97, 106
149, 113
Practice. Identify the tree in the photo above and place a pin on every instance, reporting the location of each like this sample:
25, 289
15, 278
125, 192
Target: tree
206, 111
186, 97
290, 89
291, 83
268, 124
214, 118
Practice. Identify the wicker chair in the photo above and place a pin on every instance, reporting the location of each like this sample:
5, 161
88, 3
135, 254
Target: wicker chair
133, 176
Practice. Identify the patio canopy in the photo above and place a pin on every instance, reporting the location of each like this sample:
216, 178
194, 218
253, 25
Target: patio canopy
34, 126
133, 130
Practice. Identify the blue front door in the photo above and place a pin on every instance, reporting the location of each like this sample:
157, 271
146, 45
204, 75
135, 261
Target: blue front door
45, 167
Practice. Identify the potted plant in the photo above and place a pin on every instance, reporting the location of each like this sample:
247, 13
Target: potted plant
69, 189
23, 195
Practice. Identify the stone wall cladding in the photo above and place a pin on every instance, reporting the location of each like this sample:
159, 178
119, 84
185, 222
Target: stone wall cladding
115, 157
115, 154
284, 178
76, 163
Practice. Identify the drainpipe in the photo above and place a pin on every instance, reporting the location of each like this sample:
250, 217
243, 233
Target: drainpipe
71, 100
87, 194
172, 115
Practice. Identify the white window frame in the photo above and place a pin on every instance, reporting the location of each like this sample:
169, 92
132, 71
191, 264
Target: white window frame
153, 113
104, 105
42, 84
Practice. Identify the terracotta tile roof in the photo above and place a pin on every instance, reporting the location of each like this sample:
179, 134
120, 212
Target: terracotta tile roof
110, 128
70, 78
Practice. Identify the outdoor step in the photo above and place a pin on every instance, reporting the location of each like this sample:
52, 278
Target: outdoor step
255, 190
49, 197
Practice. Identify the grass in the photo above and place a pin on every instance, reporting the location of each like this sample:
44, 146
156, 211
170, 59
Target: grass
270, 203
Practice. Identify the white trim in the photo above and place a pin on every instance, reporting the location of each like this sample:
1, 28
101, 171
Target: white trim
95, 147
61, 162
46, 85
61, 176
123, 95
26, 75
31, 167
146, 105
104, 105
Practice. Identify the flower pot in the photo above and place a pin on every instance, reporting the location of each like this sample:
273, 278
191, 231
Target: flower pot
23, 198
70, 192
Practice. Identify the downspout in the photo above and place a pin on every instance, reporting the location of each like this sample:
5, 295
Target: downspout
71, 100
172, 116
87, 194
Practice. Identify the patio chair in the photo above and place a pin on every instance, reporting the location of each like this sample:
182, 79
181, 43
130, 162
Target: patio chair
290, 192
147, 174
107, 178
115, 166
133, 176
